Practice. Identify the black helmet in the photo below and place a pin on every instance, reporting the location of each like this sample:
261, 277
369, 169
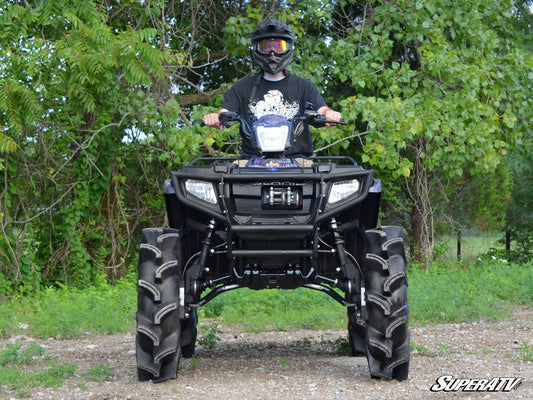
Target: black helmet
272, 45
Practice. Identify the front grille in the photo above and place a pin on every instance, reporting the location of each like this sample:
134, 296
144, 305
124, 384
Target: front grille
272, 198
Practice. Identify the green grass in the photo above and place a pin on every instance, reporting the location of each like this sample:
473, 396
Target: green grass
100, 373
256, 311
210, 337
70, 313
15, 354
450, 292
526, 352
22, 368
456, 293
472, 245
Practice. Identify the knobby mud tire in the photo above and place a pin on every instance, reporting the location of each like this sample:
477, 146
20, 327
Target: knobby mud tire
158, 324
356, 334
387, 330
189, 332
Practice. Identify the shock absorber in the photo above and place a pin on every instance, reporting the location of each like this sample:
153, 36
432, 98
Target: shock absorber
196, 271
346, 284
206, 244
339, 244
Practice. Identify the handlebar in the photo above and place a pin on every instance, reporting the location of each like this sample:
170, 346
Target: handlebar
310, 117
318, 120
227, 119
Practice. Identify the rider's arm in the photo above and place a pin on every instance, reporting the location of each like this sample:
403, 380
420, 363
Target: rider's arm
213, 119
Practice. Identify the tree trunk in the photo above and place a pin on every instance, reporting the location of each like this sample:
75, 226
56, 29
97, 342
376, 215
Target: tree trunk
421, 228
422, 217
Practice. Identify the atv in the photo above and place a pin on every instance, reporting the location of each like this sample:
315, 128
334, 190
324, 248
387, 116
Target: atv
272, 222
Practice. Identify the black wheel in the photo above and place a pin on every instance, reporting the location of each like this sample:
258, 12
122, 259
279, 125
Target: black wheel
189, 332
356, 322
387, 331
356, 333
158, 323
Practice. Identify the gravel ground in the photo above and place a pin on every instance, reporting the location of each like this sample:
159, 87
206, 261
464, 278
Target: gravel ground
298, 365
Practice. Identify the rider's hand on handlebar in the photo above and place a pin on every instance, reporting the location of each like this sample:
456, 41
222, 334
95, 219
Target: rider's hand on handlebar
213, 120
331, 115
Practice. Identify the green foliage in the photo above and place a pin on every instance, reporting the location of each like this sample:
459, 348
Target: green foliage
52, 376
97, 104
68, 313
211, 336
469, 208
526, 352
16, 375
71, 83
442, 106
100, 373
277, 309
343, 347
476, 245
429, 92
23, 368
14, 354
450, 292
454, 293
520, 214
420, 349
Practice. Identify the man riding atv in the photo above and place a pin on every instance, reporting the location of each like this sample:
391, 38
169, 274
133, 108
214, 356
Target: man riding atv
271, 222
273, 90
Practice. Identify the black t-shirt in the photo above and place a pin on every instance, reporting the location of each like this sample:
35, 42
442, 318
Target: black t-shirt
287, 97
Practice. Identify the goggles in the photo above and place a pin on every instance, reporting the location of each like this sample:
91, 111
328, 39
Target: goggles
278, 46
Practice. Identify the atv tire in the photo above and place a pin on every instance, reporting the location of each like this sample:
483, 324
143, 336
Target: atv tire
189, 332
158, 324
387, 332
356, 333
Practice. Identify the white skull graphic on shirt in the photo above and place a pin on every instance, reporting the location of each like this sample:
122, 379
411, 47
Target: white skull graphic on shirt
274, 103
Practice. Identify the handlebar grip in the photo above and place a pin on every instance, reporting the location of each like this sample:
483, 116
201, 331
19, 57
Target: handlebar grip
327, 121
320, 123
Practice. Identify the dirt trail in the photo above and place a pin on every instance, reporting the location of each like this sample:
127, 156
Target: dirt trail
299, 365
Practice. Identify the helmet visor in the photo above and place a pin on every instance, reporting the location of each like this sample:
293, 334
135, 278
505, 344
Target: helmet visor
278, 46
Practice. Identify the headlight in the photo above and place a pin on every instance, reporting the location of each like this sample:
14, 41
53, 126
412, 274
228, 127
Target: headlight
343, 189
272, 138
202, 190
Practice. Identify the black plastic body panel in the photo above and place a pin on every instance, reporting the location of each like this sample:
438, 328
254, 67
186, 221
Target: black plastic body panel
239, 189
258, 246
